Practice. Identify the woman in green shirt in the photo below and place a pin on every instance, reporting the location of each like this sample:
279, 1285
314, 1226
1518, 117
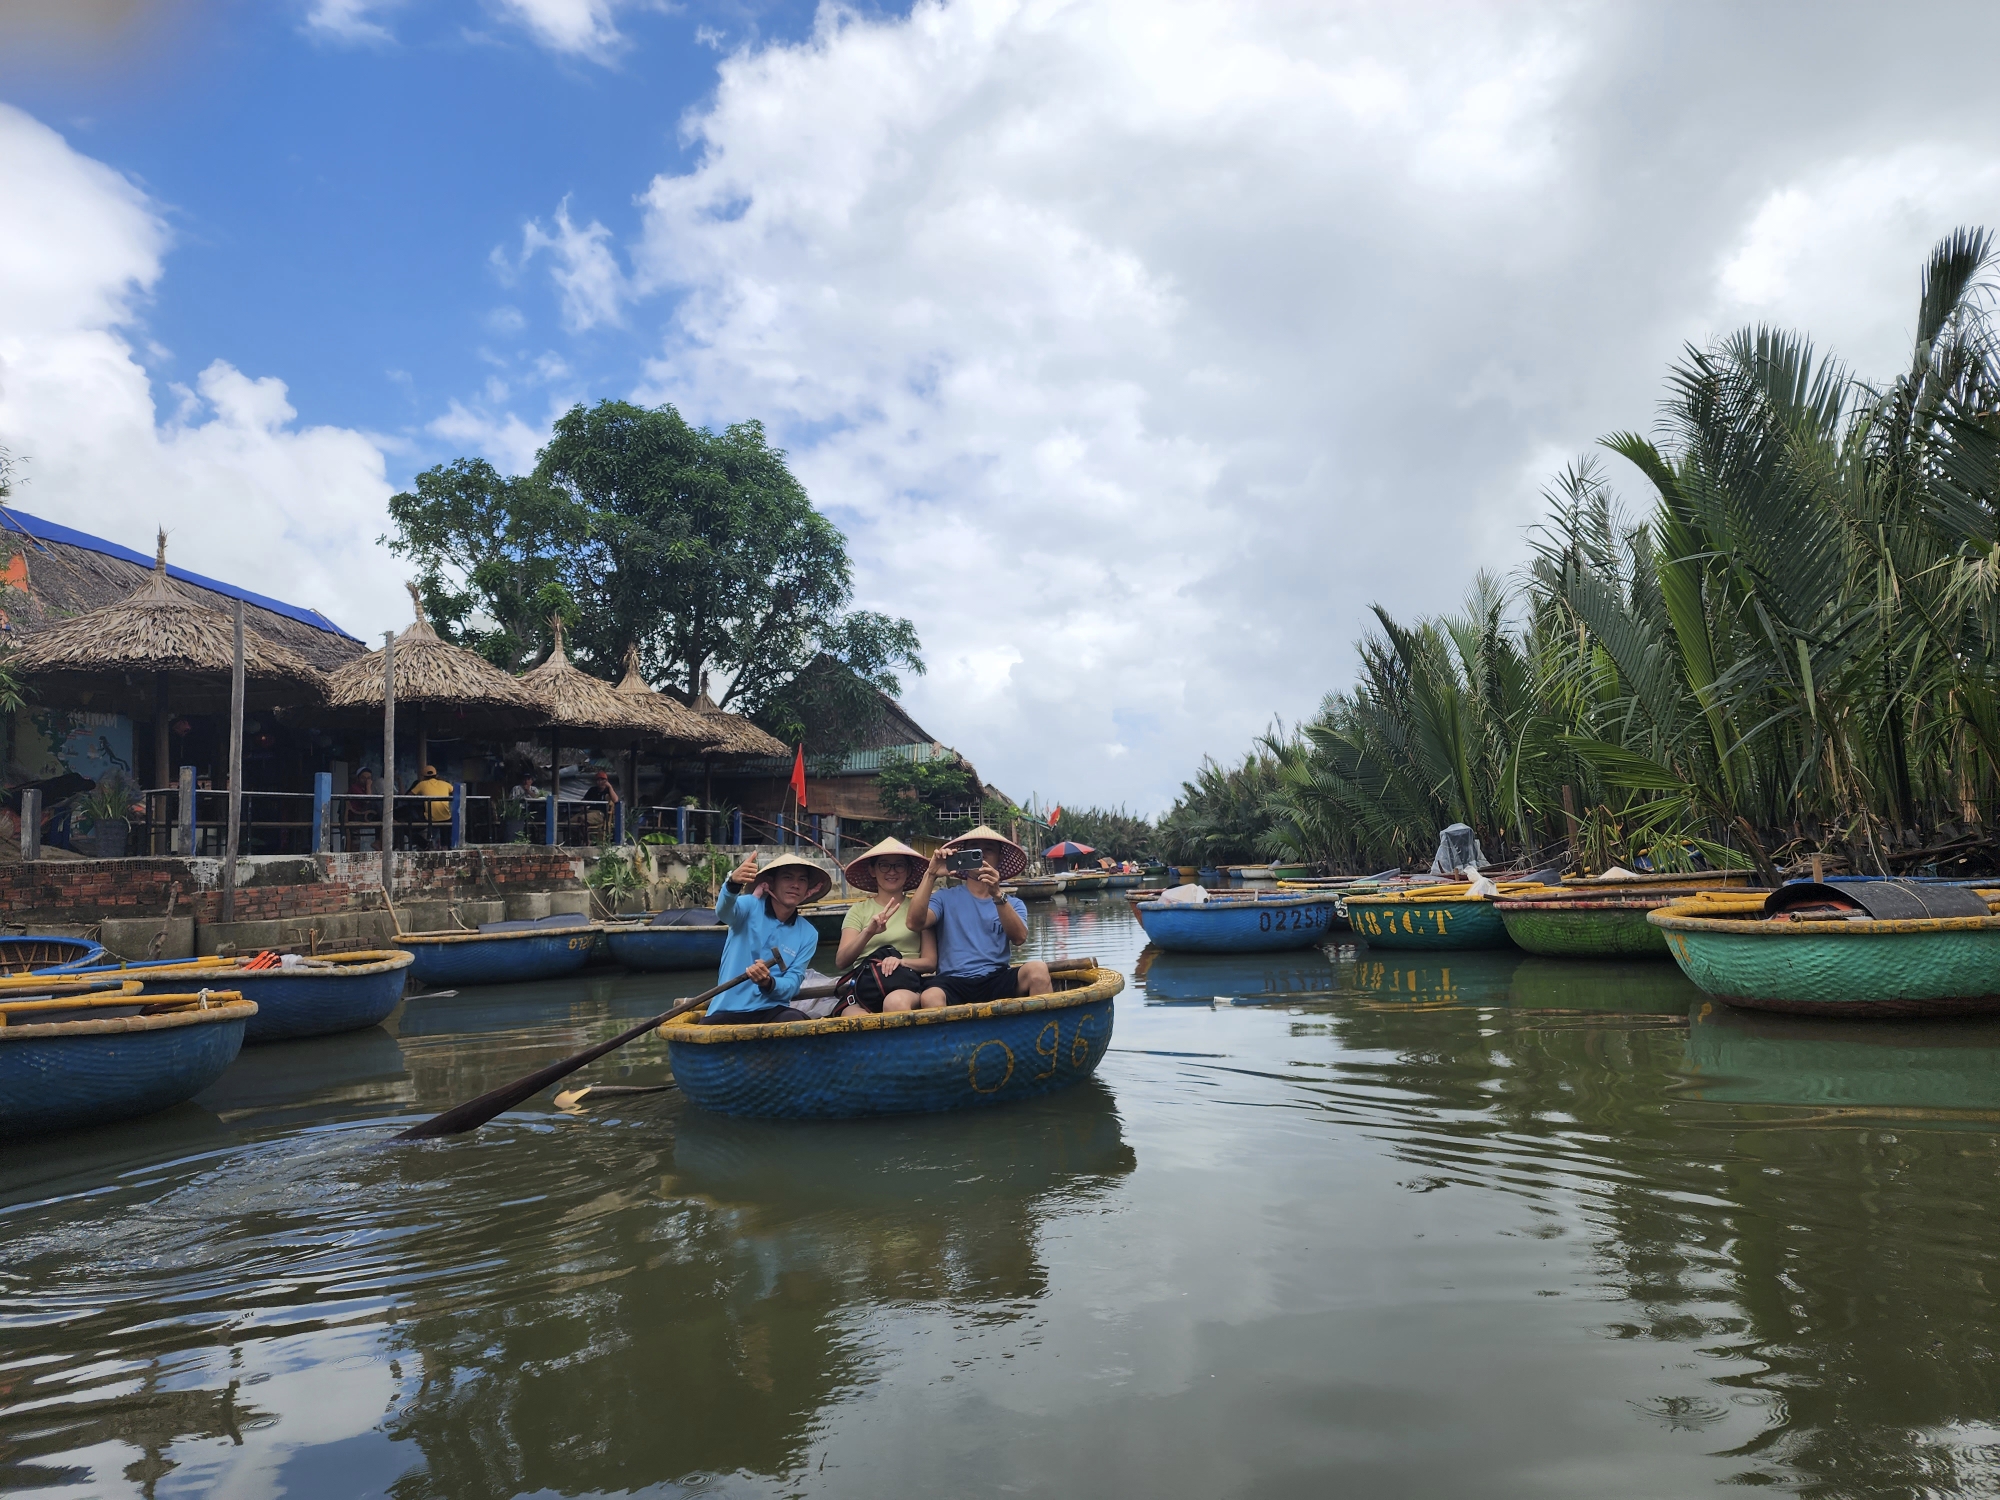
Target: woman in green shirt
878, 928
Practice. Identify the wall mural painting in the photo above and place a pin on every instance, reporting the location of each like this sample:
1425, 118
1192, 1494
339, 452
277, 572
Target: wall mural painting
47, 742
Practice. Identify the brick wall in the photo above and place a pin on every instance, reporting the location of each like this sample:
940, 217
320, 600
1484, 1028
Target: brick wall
89, 890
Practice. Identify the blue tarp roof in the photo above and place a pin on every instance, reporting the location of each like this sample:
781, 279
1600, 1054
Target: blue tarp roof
48, 531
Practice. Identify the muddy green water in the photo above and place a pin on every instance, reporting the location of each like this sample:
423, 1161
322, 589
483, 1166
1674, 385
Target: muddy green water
1332, 1223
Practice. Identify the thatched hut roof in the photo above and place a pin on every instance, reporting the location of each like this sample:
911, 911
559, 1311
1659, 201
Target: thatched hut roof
736, 734
674, 722
114, 651
434, 674
54, 573
570, 697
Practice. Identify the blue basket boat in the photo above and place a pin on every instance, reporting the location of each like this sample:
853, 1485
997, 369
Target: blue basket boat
45, 953
317, 997
917, 1062
107, 1059
499, 953
1239, 924
660, 949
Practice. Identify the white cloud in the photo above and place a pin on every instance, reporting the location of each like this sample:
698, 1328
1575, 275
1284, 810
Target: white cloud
1862, 220
350, 20
1174, 334
246, 493
578, 28
505, 441
585, 272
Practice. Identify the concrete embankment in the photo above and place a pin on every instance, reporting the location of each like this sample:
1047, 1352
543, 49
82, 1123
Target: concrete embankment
172, 907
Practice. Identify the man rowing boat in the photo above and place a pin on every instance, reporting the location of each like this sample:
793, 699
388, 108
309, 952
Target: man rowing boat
761, 910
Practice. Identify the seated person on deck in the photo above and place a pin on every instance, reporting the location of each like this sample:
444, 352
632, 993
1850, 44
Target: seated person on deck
878, 929
977, 927
761, 911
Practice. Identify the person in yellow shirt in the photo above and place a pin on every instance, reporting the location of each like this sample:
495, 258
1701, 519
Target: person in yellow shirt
877, 928
437, 811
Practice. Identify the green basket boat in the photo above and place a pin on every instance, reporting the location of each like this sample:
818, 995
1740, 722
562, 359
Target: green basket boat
1434, 924
1560, 925
1290, 872
1923, 966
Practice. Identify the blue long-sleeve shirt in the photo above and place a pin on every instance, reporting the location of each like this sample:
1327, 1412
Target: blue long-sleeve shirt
753, 933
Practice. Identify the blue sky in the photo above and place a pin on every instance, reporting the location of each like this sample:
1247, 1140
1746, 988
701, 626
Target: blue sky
336, 201
1139, 346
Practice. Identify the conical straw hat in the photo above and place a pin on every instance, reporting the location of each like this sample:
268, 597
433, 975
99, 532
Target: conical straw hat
822, 882
1006, 856
861, 873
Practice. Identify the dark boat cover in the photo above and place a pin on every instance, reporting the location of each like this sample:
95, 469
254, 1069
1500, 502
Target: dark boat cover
1884, 900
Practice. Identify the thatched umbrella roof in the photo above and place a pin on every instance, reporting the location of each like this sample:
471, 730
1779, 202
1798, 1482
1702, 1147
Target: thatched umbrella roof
434, 675
674, 723
735, 734
572, 699
110, 657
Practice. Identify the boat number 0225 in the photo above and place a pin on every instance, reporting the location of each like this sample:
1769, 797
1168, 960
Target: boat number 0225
1300, 917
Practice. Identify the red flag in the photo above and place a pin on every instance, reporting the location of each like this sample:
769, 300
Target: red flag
799, 777
1056, 816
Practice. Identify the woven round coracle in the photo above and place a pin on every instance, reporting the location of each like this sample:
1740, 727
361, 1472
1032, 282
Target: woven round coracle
1006, 856
861, 873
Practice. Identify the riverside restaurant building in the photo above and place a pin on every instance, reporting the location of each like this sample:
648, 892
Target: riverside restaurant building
124, 661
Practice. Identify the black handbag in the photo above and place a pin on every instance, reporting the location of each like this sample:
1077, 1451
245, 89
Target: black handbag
868, 986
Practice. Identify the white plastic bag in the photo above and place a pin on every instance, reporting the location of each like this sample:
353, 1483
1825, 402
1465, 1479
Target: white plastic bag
1186, 895
1480, 886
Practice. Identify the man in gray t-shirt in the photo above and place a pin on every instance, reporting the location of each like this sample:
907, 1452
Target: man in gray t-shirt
977, 928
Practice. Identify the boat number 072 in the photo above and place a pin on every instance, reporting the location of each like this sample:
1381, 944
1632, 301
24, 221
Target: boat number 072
1300, 917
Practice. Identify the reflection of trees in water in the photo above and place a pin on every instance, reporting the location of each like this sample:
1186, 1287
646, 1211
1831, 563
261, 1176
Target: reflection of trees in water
1810, 1201
150, 1418
700, 1323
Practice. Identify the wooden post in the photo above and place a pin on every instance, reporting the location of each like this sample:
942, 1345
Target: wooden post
388, 761
1569, 817
322, 834
189, 819
458, 815
423, 742
31, 823
235, 771
162, 747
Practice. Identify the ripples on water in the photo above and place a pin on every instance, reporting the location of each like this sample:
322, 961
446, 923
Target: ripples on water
1326, 1222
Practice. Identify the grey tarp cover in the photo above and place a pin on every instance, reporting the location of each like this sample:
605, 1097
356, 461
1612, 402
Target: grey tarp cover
1458, 846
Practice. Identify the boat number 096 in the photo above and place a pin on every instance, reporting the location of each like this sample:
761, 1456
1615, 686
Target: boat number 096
1301, 917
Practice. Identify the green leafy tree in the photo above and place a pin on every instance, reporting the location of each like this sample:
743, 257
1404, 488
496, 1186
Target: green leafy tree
918, 794
699, 546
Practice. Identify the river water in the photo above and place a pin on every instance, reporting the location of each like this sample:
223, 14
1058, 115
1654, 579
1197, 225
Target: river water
1337, 1222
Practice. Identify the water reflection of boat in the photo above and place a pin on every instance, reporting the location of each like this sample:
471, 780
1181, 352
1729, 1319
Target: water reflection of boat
918, 1062
767, 1258
356, 1069
1248, 979
1739, 1057
1603, 985
1462, 979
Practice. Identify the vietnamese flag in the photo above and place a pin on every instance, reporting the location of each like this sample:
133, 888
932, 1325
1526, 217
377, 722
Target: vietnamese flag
799, 776
1056, 816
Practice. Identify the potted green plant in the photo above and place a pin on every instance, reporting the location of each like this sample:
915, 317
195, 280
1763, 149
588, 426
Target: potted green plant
105, 810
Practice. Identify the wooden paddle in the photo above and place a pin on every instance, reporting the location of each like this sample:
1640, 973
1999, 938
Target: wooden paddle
476, 1112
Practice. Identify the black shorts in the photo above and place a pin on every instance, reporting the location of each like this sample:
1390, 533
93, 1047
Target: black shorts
977, 989
761, 1017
